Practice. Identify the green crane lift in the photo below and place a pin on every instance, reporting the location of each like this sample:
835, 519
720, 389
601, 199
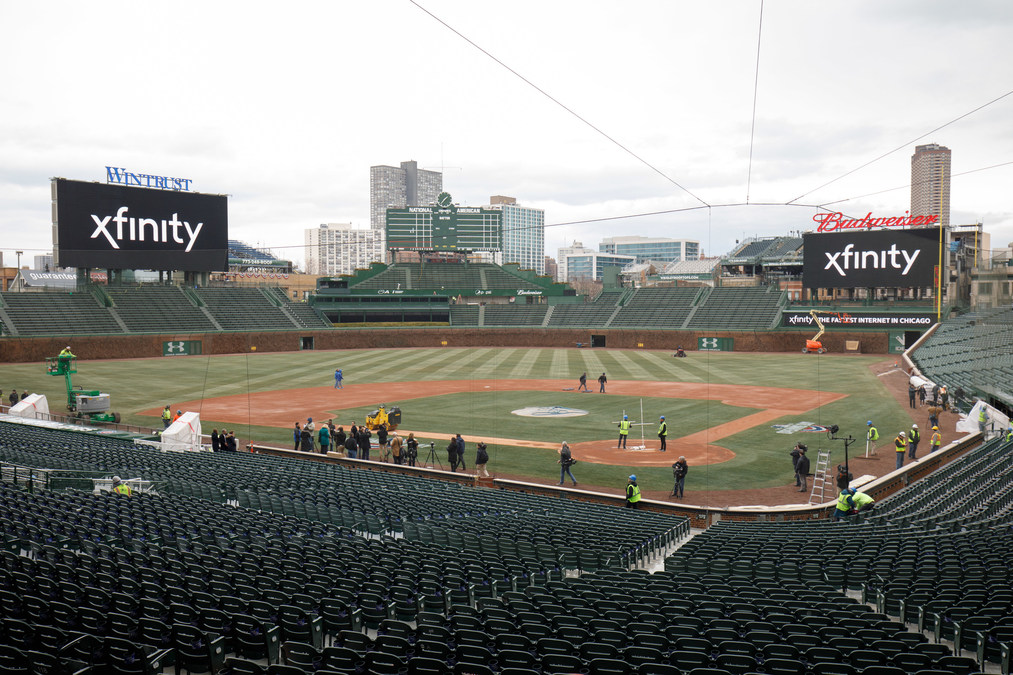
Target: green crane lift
91, 404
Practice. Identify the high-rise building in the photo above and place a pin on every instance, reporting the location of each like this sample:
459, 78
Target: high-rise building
523, 234
930, 182
339, 248
657, 249
399, 188
576, 262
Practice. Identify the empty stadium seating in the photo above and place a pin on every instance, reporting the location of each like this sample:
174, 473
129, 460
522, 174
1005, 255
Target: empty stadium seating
738, 308
657, 308
57, 313
246, 563
244, 309
972, 351
149, 308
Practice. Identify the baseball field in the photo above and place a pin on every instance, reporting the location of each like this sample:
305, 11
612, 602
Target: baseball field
735, 416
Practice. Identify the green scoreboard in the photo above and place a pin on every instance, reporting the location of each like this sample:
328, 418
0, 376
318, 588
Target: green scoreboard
444, 227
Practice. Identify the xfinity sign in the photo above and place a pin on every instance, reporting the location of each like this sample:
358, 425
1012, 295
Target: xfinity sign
118, 227
885, 258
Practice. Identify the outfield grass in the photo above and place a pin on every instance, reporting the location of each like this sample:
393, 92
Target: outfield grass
761, 454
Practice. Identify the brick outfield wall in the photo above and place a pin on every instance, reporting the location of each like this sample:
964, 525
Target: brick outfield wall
35, 349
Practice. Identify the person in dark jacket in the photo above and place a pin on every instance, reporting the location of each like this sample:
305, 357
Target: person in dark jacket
306, 439
481, 459
381, 442
802, 469
452, 454
412, 449
297, 435
565, 461
351, 447
215, 445
460, 452
844, 477
679, 470
231, 444
794, 463
364, 435
339, 437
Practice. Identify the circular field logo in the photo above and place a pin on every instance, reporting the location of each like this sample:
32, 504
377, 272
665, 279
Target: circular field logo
549, 411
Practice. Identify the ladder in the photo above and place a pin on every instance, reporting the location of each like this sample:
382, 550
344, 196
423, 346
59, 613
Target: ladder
820, 478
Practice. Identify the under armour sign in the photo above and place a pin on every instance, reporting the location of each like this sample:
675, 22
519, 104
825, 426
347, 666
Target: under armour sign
118, 227
878, 259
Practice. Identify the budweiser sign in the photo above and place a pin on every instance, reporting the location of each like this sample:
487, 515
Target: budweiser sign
831, 222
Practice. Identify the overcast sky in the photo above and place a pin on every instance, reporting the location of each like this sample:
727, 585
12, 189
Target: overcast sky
285, 106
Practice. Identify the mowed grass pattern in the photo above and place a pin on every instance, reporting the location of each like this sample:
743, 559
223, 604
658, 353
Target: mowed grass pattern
761, 459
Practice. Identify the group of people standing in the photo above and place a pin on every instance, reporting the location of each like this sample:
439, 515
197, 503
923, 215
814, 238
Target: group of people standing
455, 455
14, 397
224, 442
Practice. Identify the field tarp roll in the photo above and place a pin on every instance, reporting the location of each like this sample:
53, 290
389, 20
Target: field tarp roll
183, 434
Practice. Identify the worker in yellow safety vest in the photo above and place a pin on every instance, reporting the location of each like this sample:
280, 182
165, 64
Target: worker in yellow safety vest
624, 431
872, 437
901, 445
632, 492
120, 487
936, 440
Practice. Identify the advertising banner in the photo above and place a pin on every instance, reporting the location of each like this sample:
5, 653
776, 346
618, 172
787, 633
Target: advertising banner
912, 321
120, 227
876, 259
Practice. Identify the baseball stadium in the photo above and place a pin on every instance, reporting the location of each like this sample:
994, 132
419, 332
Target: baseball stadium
131, 547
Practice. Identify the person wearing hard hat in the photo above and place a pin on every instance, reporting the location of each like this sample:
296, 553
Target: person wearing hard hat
936, 440
179, 413
662, 432
632, 492
871, 437
121, 488
624, 431
900, 443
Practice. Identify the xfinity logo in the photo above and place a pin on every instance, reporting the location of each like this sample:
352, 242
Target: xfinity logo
861, 260
158, 231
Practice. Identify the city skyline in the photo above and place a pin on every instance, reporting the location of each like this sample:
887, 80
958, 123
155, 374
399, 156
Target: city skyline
643, 125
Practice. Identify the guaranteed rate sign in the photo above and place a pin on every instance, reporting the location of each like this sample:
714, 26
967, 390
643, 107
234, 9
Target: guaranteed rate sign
884, 258
118, 227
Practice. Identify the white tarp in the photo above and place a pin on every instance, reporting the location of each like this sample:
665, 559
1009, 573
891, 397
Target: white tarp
28, 407
996, 420
919, 382
183, 434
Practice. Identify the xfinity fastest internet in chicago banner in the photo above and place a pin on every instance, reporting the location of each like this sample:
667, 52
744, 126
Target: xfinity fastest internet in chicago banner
120, 227
882, 258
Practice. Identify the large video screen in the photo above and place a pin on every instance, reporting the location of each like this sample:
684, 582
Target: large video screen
882, 258
427, 228
120, 227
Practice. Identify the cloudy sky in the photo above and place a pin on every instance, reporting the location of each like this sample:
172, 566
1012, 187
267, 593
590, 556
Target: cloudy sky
590, 110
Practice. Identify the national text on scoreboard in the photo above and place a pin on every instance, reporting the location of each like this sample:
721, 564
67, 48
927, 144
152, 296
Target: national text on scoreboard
444, 228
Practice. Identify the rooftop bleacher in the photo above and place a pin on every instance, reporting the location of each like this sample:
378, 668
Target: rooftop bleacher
239, 249
58, 313
738, 308
157, 308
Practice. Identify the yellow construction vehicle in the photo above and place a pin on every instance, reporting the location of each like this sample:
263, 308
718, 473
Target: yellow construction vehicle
380, 417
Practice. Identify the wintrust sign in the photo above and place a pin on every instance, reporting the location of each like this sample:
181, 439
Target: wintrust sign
136, 228
119, 227
835, 222
883, 258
